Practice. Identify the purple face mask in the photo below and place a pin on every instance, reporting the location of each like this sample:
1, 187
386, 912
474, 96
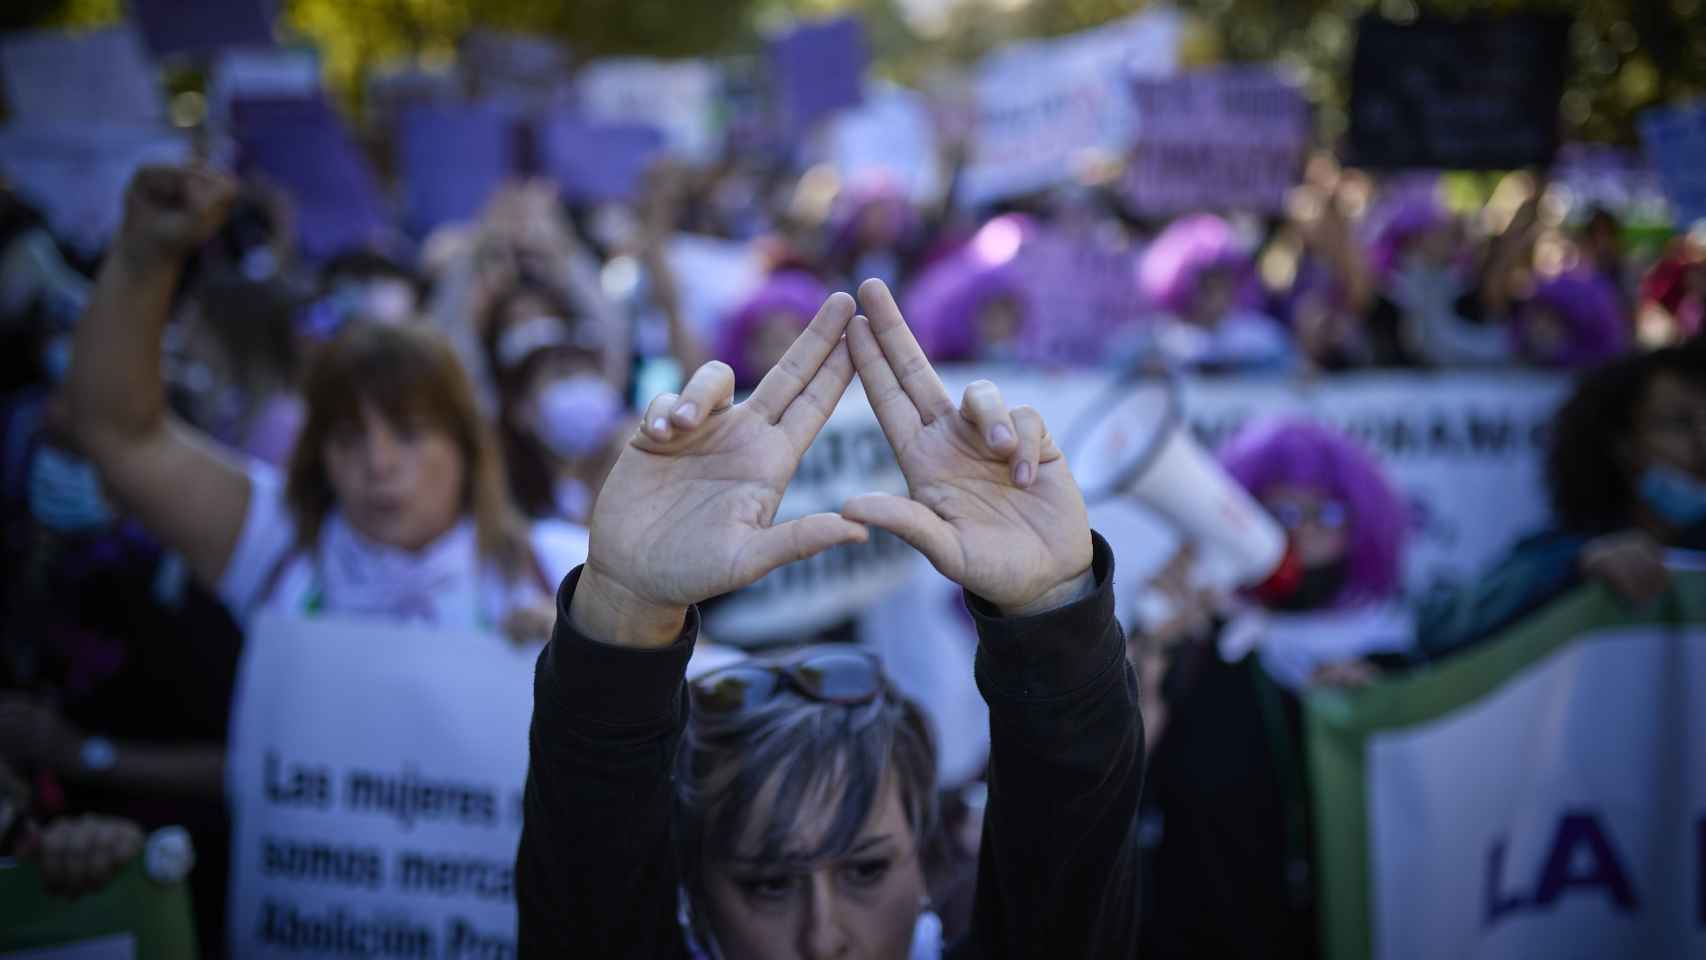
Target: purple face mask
577, 414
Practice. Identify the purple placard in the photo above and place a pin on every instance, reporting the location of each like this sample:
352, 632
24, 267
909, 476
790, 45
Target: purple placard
452, 157
194, 27
1231, 138
817, 69
594, 161
300, 145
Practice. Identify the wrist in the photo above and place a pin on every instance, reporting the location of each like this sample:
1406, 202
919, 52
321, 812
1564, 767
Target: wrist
133, 260
1070, 590
603, 609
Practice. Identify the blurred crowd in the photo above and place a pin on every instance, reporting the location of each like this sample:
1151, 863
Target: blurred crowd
201, 423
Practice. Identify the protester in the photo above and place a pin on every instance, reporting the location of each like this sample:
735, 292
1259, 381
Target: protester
1626, 479
394, 505
1200, 274
1572, 320
1227, 824
777, 805
757, 332
972, 304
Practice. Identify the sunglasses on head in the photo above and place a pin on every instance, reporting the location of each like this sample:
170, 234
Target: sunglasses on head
827, 674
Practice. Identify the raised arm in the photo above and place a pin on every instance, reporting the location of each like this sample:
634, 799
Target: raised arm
183, 488
685, 515
995, 508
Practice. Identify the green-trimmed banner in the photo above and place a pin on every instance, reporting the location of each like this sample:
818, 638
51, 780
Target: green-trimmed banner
1543, 795
131, 918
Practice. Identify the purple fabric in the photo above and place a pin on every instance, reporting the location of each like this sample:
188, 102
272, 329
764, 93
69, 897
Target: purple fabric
452, 158
942, 305
793, 293
204, 26
818, 68
1281, 451
1404, 219
1172, 267
1591, 310
596, 161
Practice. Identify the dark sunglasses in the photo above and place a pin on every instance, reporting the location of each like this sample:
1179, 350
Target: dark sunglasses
1331, 515
828, 674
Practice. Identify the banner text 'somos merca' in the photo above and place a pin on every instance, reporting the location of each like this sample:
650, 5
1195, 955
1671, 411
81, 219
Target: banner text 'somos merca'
1541, 795
375, 780
1457, 95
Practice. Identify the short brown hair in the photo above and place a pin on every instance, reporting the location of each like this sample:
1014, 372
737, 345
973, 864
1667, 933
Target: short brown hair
411, 376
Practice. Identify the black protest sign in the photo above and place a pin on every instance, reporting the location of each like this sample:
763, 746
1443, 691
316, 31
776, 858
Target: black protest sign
1457, 95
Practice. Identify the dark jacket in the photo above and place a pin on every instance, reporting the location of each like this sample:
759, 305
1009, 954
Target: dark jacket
596, 875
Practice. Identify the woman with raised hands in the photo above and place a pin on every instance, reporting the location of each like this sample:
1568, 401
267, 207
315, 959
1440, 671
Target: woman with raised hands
776, 807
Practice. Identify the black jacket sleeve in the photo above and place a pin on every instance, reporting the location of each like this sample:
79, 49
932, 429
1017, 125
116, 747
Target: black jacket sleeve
1058, 869
596, 872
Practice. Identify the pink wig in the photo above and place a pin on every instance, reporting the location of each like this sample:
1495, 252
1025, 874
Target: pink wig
1590, 310
794, 294
1172, 268
942, 305
1401, 221
1295, 452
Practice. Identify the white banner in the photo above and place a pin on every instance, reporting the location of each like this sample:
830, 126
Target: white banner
891, 136
678, 97
1045, 107
375, 780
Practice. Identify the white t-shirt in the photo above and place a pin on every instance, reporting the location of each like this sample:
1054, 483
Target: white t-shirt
446, 584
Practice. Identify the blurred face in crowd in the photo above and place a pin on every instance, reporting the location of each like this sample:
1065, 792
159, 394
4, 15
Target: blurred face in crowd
1545, 334
568, 405
771, 338
400, 484
998, 323
1436, 248
862, 905
1213, 299
1318, 526
1670, 427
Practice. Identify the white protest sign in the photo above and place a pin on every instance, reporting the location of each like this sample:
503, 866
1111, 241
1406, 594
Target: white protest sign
1046, 107
375, 780
678, 97
97, 75
712, 276
889, 136
76, 172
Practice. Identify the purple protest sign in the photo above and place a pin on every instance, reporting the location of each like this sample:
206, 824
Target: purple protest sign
300, 146
194, 27
452, 157
594, 161
1082, 292
816, 69
1224, 139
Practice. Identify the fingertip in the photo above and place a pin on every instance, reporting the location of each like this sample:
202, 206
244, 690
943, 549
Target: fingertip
871, 287
843, 302
1024, 473
658, 429
686, 415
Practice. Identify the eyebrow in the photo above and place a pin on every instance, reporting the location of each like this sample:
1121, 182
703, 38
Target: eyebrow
859, 846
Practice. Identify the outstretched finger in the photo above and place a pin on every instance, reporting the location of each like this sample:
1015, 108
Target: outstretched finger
712, 388
795, 540
911, 367
800, 364
812, 408
895, 412
655, 426
1030, 428
913, 522
983, 407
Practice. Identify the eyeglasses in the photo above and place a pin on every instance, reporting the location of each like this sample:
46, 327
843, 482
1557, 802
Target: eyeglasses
827, 674
1329, 514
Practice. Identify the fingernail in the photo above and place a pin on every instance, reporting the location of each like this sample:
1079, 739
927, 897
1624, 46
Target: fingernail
1022, 473
660, 425
687, 411
1000, 436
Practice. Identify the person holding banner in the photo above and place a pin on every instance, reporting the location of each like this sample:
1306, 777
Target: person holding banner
775, 807
394, 504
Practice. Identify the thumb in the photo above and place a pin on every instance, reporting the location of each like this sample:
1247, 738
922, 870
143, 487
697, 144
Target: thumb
785, 543
913, 522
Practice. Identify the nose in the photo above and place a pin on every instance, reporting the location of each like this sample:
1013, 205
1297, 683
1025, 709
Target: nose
822, 937
380, 451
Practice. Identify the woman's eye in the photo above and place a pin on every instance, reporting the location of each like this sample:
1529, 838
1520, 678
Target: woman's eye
775, 887
867, 873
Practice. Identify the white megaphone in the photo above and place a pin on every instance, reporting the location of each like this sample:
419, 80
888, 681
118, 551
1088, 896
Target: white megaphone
1136, 443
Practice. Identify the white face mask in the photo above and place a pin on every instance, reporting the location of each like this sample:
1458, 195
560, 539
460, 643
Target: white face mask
576, 414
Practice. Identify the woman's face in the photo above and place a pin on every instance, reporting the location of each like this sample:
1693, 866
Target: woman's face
1545, 333
397, 483
1318, 527
1670, 426
862, 906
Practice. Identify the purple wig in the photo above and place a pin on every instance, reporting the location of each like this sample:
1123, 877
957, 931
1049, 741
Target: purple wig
1402, 220
1172, 268
1589, 307
850, 207
794, 294
942, 305
1281, 451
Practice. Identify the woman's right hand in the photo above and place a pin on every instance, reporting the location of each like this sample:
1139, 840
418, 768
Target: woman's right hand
169, 212
686, 512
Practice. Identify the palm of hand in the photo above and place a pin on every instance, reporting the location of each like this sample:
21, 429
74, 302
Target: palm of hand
716, 489
1010, 541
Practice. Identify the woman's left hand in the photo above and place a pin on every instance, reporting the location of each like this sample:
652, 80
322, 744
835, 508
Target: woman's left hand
992, 503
